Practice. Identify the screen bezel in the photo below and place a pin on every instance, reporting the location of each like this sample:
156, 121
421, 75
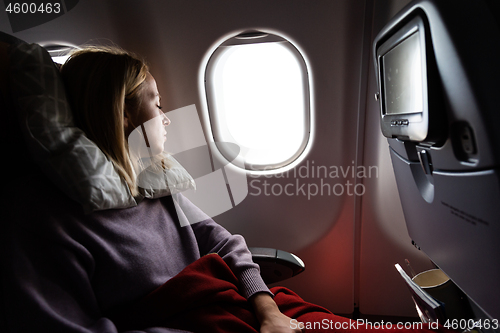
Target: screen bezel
405, 126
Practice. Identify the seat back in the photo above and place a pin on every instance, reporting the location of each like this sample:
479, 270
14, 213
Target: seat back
449, 177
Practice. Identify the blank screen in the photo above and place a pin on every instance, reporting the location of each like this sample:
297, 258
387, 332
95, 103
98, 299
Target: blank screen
402, 68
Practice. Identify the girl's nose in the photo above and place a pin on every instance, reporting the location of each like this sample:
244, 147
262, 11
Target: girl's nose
165, 120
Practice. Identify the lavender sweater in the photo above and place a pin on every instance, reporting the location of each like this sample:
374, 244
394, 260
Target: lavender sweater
63, 271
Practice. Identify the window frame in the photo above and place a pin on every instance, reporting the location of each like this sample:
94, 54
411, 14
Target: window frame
58, 49
254, 37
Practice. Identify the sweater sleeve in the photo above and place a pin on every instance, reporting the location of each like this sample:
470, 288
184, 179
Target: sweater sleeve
213, 238
46, 285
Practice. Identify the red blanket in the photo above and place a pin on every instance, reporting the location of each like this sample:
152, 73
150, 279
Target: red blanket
204, 298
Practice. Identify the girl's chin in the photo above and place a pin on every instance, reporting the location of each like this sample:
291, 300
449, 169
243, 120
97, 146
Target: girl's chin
156, 151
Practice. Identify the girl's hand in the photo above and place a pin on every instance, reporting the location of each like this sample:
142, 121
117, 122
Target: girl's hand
278, 323
270, 317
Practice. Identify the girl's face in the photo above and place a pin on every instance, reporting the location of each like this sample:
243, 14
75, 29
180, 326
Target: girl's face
149, 118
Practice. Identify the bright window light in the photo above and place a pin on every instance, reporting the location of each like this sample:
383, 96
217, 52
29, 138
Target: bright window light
258, 95
60, 59
59, 52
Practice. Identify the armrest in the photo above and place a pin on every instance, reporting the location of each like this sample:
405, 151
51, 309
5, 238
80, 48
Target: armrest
276, 265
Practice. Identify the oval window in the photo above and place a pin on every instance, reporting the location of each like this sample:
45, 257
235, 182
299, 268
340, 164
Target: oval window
58, 51
257, 90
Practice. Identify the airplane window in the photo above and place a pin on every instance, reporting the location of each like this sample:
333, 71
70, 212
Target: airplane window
257, 90
58, 52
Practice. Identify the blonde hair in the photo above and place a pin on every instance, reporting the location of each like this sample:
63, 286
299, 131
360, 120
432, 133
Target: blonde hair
101, 82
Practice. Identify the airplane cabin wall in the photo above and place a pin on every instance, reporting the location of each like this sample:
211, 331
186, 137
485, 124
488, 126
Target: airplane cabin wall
383, 233
349, 243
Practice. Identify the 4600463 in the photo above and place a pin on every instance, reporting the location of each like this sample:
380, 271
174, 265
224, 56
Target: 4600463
468, 324
33, 8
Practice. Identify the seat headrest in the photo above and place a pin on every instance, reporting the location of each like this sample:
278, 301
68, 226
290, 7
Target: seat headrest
68, 158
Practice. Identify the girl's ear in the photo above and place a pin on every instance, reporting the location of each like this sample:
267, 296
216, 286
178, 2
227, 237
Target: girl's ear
127, 123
